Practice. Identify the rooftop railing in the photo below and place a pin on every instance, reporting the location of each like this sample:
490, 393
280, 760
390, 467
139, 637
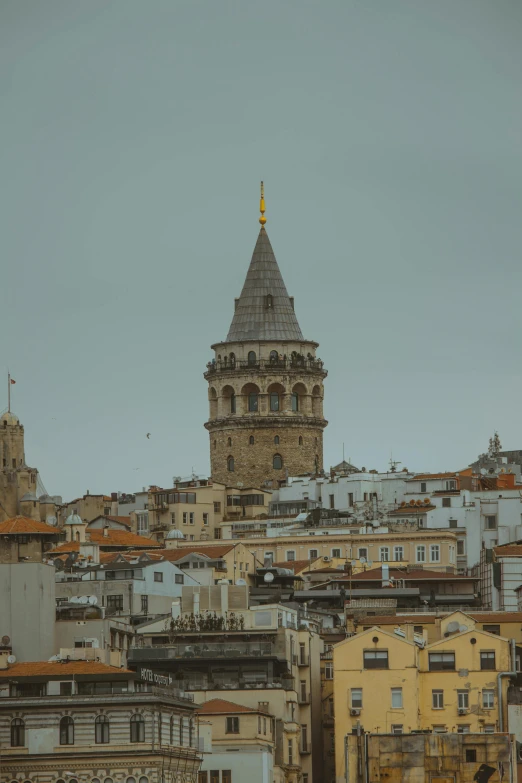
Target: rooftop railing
288, 363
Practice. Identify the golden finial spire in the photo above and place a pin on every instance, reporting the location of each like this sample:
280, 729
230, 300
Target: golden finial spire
262, 219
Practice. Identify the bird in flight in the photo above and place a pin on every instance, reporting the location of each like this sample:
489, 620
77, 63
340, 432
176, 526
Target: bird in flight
148, 435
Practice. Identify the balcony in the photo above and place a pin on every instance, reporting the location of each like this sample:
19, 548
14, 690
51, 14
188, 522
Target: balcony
235, 683
267, 365
327, 655
328, 721
207, 650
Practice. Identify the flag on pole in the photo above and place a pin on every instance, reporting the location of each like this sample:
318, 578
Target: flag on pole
12, 380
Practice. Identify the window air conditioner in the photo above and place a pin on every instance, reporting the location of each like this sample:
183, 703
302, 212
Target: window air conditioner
355, 712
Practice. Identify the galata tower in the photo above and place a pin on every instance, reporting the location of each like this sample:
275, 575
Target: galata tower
265, 385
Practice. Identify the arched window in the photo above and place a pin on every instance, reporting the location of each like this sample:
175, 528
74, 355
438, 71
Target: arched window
276, 440
144, 779
253, 399
181, 731
274, 401
172, 729
274, 357
101, 730
67, 731
137, 728
191, 732
232, 403
130, 779
17, 733
215, 443
251, 440
251, 357
277, 462
295, 402
230, 464
229, 441
232, 359
300, 440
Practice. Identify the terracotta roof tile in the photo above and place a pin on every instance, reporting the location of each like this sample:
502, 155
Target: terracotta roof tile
114, 538
509, 550
19, 524
55, 668
122, 520
221, 707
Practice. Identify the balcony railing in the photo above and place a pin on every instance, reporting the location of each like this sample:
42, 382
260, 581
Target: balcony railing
211, 650
235, 683
289, 363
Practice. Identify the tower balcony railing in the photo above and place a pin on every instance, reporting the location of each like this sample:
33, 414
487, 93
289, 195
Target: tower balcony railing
284, 363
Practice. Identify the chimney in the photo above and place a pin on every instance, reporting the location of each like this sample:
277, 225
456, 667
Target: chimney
106, 531
4, 655
385, 570
87, 493
175, 609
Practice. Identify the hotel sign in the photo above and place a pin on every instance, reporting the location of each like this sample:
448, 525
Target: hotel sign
155, 678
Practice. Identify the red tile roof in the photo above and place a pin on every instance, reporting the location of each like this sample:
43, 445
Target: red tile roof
509, 550
114, 538
223, 707
57, 669
122, 520
20, 525
428, 476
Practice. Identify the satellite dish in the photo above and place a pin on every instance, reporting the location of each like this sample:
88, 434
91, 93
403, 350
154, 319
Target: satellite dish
83, 599
241, 582
74, 599
92, 600
463, 628
453, 627
11, 659
370, 563
268, 577
51, 521
354, 563
5, 640
362, 560
54, 658
483, 471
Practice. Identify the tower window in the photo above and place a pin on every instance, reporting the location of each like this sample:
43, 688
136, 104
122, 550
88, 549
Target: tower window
274, 401
295, 402
253, 402
229, 442
251, 357
232, 403
269, 301
215, 443
300, 440
277, 462
232, 359
276, 440
230, 464
274, 357
251, 440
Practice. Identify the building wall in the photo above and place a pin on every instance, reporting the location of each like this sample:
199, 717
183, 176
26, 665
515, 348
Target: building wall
254, 764
27, 609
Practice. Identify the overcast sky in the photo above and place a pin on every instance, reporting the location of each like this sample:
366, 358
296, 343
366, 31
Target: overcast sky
133, 137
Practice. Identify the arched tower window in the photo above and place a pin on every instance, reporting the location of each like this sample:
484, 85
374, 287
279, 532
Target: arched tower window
253, 402
229, 442
67, 731
230, 464
251, 440
277, 462
276, 440
232, 360
269, 301
274, 401
300, 440
274, 357
232, 403
295, 402
251, 358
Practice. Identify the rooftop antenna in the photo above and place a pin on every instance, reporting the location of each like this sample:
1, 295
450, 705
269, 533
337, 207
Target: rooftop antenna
393, 463
262, 219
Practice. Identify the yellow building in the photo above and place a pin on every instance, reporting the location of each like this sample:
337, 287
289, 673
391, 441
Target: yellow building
388, 682
226, 560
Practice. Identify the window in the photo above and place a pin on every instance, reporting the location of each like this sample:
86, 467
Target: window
66, 689
420, 553
492, 629
172, 517
295, 402
179, 579
137, 728
205, 518
336, 553
363, 552
145, 603
232, 403
384, 554
253, 402
423, 486
491, 523
439, 729
251, 440
396, 698
229, 442
17, 733
488, 699
313, 554
328, 671
471, 754
461, 547
350, 499
356, 702
226, 776
277, 462
418, 629
487, 660
203, 777
230, 464
437, 700
232, 726
375, 659
396, 728
181, 731
453, 523
251, 357
463, 700
290, 554
217, 507
300, 440
332, 501
191, 517
398, 553
304, 737
101, 730
446, 502
115, 602
435, 553
290, 751
274, 401
489, 728
185, 517
158, 576
464, 728
214, 776
439, 662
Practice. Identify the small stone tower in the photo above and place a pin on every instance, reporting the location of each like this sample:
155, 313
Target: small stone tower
265, 385
17, 480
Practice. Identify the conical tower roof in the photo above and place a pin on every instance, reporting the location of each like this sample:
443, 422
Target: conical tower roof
264, 310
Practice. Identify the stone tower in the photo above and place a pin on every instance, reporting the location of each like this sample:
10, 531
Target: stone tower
17, 481
265, 385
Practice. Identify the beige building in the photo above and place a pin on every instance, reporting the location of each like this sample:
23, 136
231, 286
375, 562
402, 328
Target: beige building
265, 385
230, 561
89, 507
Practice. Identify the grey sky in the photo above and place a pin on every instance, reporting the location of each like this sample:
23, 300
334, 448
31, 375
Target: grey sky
133, 138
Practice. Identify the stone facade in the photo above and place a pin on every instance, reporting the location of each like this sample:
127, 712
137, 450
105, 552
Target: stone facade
265, 387
16, 478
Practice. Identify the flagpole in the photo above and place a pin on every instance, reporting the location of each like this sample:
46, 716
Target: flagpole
9, 391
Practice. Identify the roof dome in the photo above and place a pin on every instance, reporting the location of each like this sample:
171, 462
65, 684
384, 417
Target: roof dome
175, 534
74, 519
9, 418
29, 496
